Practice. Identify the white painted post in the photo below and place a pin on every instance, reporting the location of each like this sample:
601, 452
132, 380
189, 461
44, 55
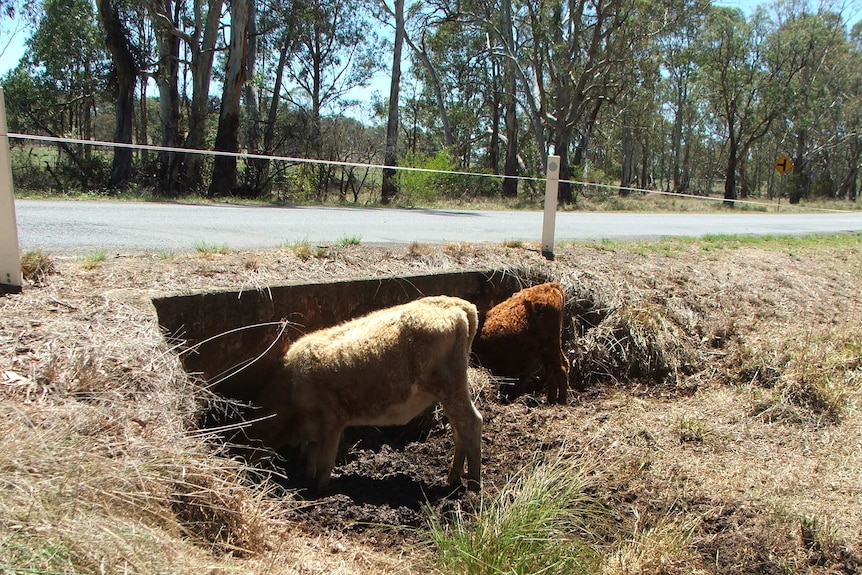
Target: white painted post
10, 257
552, 189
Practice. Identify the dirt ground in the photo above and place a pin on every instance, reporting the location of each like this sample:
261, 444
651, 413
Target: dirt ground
718, 385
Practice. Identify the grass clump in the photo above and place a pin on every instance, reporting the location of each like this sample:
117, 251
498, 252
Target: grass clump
542, 521
36, 266
205, 248
350, 241
691, 430
548, 519
304, 251
810, 382
663, 546
94, 260
823, 544
640, 342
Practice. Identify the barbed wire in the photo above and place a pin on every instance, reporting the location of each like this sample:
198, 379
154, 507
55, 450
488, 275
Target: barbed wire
345, 164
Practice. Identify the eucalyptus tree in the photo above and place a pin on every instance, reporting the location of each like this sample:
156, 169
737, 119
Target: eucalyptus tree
452, 64
818, 40
847, 115
680, 71
389, 188
832, 156
272, 44
336, 51
193, 30
223, 181
640, 118
496, 20
126, 67
422, 21
60, 81
578, 53
747, 75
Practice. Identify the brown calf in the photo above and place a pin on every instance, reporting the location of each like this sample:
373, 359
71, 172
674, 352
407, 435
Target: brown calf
381, 369
524, 332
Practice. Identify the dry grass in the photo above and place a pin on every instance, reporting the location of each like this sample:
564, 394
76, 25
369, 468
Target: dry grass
102, 467
36, 266
728, 442
100, 464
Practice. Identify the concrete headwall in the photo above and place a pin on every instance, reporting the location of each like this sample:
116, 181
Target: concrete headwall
231, 330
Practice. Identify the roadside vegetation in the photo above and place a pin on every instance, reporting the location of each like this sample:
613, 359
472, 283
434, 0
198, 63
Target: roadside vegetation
707, 99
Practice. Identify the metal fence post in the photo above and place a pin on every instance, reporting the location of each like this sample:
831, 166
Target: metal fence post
10, 257
552, 188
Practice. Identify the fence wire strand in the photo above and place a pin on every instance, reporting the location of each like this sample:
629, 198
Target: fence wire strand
344, 164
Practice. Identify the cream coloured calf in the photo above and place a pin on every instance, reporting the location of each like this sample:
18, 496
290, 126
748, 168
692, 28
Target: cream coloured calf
381, 369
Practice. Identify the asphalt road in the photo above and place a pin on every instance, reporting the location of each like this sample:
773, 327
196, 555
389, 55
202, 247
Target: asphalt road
85, 227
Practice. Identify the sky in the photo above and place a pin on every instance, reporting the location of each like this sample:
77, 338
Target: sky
11, 45
13, 37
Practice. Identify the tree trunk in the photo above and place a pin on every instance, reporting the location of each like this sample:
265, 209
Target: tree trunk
849, 184
676, 142
438, 94
627, 177
165, 17
800, 182
730, 174
202, 47
126, 70
389, 189
494, 103
510, 166
254, 180
562, 141
227, 137
272, 116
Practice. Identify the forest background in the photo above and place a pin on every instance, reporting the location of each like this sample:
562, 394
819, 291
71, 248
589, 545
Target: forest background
685, 96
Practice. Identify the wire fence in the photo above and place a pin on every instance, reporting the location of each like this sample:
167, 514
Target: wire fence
576, 184
10, 268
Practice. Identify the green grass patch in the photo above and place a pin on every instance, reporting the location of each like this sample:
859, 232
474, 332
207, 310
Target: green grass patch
691, 430
790, 244
209, 249
94, 260
350, 241
542, 521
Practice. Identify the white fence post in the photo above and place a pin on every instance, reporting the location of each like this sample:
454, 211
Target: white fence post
552, 188
10, 257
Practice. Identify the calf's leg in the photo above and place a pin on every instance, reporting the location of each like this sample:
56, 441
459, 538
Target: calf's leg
467, 430
557, 373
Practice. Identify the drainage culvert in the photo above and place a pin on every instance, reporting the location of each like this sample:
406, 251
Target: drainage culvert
234, 340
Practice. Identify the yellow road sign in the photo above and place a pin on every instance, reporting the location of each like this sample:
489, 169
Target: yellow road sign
783, 164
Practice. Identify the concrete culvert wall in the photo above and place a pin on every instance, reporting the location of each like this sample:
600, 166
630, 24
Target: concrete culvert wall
234, 339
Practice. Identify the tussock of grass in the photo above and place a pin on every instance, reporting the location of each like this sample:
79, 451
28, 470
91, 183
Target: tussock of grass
637, 342
36, 266
94, 260
207, 249
98, 469
349, 241
807, 383
661, 547
540, 522
548, 519
823, 544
